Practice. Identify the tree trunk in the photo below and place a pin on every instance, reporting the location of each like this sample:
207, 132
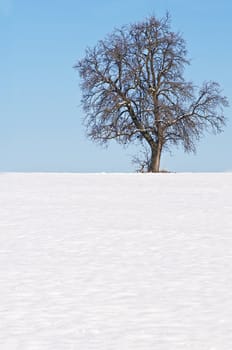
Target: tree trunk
155, 158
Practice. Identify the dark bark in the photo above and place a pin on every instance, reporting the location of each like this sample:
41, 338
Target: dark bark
155, 158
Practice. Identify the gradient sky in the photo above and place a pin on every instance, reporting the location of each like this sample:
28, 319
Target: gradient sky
40, 112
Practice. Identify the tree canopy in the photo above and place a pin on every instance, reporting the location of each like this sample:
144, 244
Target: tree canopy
134, 90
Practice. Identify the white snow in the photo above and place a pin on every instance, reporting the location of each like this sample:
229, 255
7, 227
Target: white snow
116, 261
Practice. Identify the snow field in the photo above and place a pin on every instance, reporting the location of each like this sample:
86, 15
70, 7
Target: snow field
116, 261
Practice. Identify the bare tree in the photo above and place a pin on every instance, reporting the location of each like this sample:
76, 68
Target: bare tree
134, 91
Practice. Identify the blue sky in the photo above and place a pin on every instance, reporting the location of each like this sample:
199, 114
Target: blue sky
40, 112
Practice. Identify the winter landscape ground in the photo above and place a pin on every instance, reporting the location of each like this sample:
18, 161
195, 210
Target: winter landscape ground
116, 261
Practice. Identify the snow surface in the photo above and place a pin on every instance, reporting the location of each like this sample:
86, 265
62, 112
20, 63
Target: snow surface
116, 261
